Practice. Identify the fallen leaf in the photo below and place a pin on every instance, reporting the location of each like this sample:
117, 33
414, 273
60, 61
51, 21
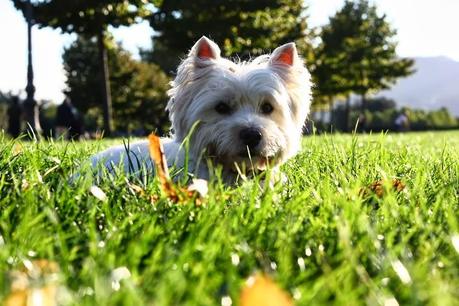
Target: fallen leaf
35, 284
197, 190
260, 290
157, 154
398, 185
377, 188
154, 198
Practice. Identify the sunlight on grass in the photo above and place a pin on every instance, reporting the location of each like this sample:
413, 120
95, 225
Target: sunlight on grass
316, 236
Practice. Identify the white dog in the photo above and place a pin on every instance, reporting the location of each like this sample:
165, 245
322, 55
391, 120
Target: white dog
243, 115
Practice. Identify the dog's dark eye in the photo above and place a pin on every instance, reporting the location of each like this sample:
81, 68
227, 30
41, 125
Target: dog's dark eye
223, 108
266, 108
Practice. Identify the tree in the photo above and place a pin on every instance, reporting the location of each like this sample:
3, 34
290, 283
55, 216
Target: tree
5, 100
329, 82
248, 28
92, 19
357, 53
380, 104
139, 88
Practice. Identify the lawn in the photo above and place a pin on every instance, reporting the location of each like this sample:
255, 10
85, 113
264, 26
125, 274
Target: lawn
336, 233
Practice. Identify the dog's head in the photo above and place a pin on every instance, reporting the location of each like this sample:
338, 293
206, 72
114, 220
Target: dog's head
258, 106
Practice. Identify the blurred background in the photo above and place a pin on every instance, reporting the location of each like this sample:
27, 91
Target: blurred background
82, 68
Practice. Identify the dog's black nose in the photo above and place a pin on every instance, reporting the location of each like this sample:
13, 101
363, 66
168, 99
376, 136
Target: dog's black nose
251, 137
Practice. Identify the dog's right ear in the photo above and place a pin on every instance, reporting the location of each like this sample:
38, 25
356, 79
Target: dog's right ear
285, 55
205, 49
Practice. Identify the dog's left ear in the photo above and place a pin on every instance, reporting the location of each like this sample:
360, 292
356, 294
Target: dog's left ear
284, 55
205, 49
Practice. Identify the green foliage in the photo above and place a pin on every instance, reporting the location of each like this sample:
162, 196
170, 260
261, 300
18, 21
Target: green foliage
315, 235
246, 28
90, 18
85, 16
357, 53
381, 115
138, 88
381, 104
439, 119
4, 101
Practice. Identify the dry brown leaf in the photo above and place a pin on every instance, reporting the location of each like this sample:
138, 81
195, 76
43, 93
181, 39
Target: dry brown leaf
157, 154
153, 198
197, 190
35, 284
260, 290
398, 185
377, 188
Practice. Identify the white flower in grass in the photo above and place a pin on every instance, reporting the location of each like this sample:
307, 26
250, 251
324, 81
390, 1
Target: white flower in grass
301, 263
455, 242
401, 271
55, 160
390, 302
86, 291
25, 185
235, 259
39, 178
250, 281
227, 301
200, 186
98, 193
118, 275
296, 294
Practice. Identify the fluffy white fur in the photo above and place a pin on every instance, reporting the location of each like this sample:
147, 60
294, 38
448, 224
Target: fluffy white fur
205, 79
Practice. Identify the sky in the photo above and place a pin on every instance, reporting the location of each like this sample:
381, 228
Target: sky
424, 28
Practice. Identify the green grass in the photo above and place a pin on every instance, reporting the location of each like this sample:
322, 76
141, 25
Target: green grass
315, 236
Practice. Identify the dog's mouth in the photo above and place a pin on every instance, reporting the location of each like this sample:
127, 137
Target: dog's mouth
256, 161
244, 160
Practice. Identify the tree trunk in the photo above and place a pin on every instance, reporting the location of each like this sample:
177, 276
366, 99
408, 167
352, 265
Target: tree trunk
105, 84
347, 113
322, 115
362, 118
363, 105
330, 109
31, 116
30, 106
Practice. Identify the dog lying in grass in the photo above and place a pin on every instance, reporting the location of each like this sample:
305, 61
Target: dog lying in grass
239, 116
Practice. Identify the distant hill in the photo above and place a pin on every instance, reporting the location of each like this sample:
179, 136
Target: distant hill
434, 84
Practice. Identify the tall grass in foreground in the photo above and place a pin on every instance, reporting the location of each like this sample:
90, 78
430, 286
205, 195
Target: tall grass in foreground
322, 236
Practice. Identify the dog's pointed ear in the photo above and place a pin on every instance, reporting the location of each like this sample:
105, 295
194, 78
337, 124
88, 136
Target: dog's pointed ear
205, 49
284, 55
